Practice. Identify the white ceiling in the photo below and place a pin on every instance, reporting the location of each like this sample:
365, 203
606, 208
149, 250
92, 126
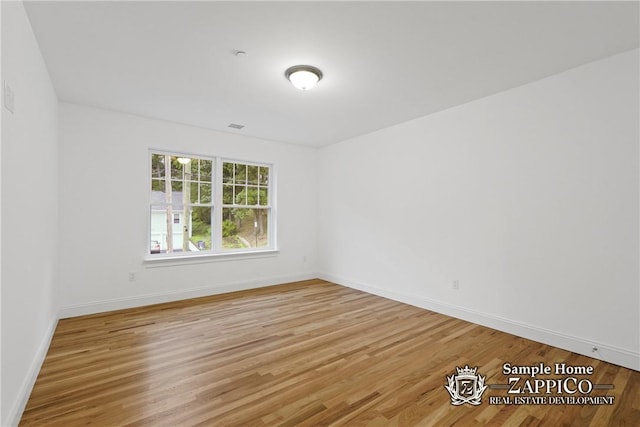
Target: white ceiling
383, 62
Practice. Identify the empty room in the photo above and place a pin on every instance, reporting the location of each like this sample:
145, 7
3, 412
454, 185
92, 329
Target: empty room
303, 213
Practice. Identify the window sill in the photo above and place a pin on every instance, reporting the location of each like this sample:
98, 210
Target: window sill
171, 260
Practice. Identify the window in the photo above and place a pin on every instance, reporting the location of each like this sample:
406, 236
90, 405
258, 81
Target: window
209, 205
245, 205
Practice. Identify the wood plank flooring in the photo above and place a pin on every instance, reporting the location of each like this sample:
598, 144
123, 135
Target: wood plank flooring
308, 353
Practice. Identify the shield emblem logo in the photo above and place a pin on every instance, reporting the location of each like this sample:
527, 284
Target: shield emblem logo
466, 386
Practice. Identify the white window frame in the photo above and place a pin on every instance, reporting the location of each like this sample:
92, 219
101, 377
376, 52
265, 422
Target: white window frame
217, 250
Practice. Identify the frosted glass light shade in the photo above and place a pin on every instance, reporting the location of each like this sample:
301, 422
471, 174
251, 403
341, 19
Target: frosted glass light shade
304, 77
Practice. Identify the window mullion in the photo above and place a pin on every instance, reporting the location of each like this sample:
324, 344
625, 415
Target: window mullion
216, 226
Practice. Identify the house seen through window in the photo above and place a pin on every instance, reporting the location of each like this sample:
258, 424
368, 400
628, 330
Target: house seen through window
200, 205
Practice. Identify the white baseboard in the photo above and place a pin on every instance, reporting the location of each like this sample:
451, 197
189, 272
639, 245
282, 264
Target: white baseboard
161, 297
608, 353
12, 418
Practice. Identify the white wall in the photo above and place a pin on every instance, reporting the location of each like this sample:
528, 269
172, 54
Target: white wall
29, 212
529, 198
104, 193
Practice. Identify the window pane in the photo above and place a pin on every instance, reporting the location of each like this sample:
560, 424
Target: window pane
176, 187
176, 168
158, 196
193, 192
241, 173
157, 185
200, 228
245, 228
253, 173
252, 195
157, 166
205, 170
227, 172
264, 196
264, 175
205, 193
227, 194
241, 195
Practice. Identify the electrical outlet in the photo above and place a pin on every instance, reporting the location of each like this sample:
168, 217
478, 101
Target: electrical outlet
132, 277
456, 285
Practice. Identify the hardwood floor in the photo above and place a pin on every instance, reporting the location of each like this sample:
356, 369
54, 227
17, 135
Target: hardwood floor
308, 353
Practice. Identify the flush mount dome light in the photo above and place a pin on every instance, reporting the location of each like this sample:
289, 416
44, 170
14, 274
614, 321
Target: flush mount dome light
304, 77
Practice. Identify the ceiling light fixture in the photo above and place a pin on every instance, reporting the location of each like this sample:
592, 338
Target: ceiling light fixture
304, 77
